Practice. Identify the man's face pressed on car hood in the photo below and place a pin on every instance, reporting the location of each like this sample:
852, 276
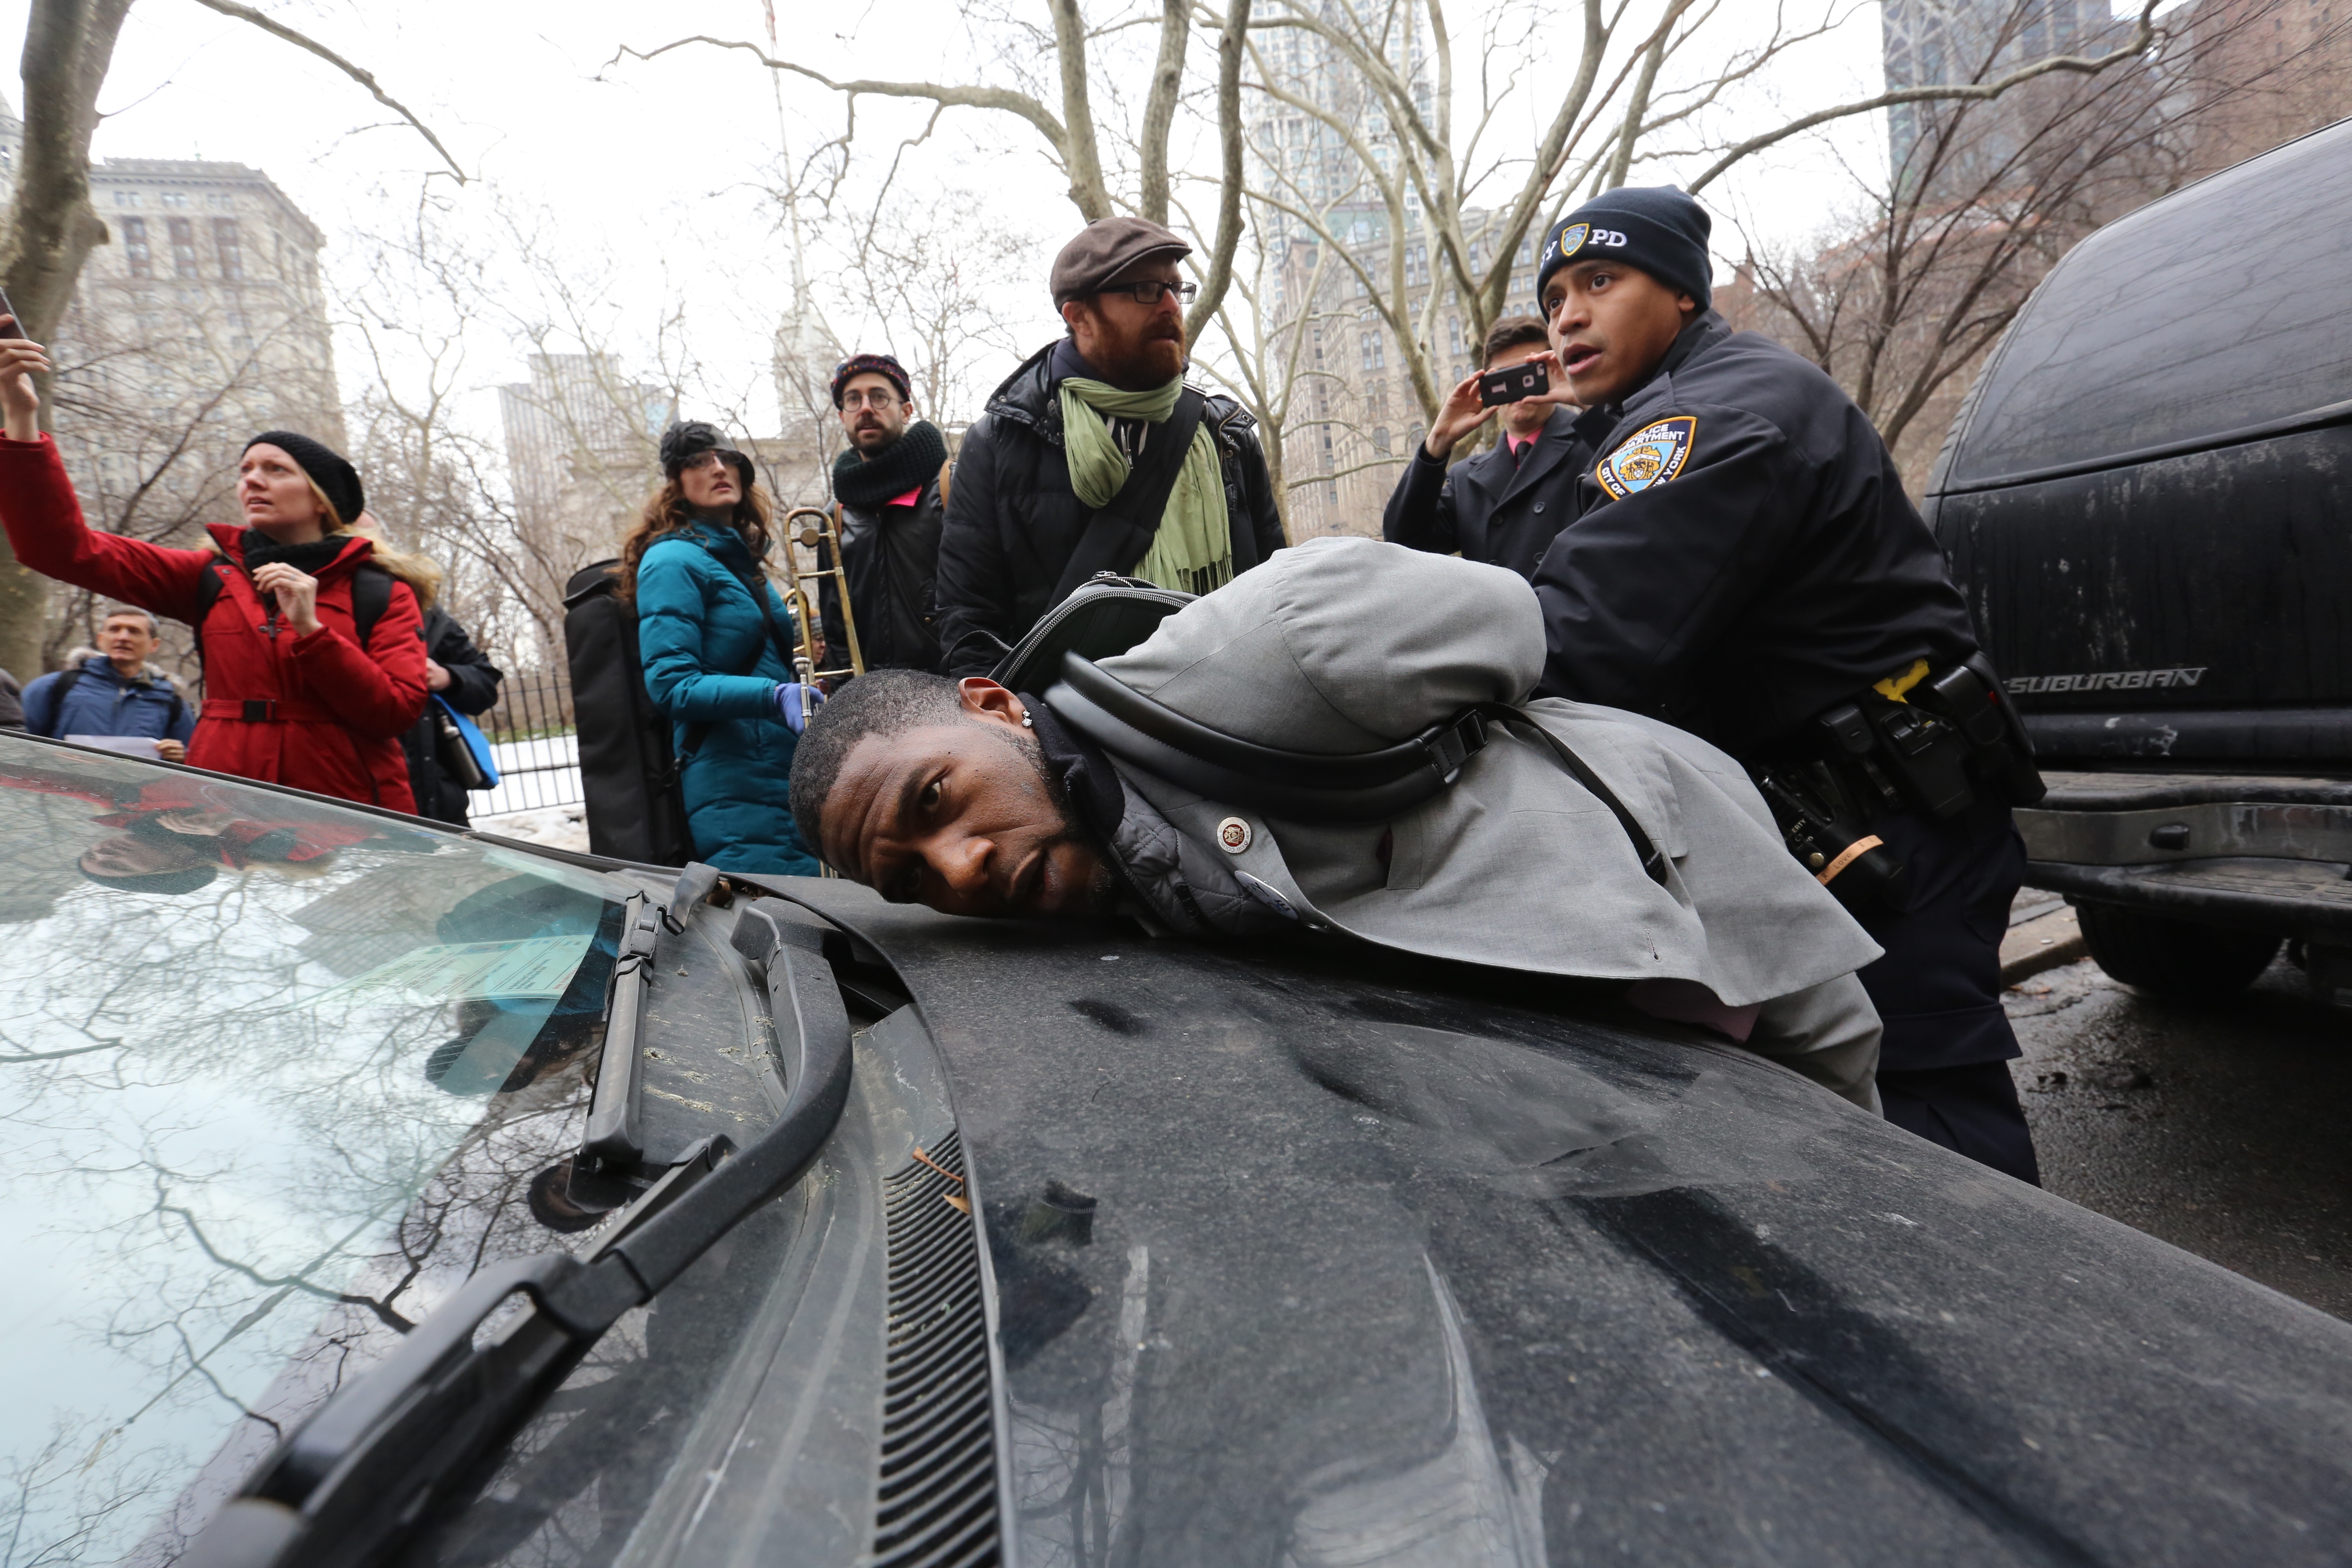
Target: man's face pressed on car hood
963, 815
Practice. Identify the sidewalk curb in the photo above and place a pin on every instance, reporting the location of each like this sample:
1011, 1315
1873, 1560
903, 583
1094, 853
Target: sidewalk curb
2045, 943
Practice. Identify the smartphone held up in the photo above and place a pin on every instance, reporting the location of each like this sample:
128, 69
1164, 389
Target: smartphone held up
1512, 382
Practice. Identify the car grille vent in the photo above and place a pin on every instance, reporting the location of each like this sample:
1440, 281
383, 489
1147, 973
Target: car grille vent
936, 1502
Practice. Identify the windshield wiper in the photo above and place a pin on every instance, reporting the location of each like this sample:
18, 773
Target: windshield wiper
383, 1456
614, 1139
614, 1143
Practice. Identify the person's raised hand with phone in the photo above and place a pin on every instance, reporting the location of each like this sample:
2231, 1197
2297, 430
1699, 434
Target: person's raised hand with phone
20, 360
1461, 413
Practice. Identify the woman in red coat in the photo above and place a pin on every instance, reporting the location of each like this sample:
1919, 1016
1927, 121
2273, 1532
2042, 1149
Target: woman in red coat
294, 692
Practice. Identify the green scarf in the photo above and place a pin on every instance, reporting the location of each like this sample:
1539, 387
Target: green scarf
1194, 551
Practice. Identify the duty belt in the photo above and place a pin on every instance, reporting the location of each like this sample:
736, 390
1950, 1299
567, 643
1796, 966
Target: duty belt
1909, 742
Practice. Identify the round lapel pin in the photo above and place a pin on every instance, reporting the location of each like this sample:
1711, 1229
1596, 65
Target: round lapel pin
1232, 836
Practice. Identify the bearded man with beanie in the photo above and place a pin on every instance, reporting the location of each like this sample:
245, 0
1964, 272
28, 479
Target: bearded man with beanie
1744, 565
889, 489
1041, 499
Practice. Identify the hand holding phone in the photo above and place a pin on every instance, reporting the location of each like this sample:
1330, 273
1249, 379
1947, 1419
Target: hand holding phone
20, 360
1512, 382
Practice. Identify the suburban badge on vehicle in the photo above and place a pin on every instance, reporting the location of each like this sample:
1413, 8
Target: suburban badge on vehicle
2105, 680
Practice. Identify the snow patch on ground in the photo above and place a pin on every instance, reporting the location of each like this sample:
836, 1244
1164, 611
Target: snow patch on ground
557, 827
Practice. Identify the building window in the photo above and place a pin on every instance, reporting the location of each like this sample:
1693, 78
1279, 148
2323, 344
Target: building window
175, 198
135, 255
1380, 439
126, 198
232, 255
183, 247
222, 201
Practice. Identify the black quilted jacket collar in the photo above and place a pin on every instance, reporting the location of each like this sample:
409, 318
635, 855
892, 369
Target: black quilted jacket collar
1026, 398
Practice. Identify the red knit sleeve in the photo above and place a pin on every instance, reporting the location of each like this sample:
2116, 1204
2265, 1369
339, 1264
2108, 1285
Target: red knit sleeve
378, 690
43, 517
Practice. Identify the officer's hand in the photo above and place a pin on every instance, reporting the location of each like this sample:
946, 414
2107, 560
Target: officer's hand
1461, 414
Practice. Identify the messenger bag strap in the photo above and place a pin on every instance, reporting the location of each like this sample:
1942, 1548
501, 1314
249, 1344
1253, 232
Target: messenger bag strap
1121, 530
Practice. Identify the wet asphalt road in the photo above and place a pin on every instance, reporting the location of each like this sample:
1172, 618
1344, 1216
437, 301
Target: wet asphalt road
2223, 1129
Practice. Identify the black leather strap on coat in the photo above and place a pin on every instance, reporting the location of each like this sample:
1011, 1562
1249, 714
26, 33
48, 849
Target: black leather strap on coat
1121, 530
1645, 849
1306, 787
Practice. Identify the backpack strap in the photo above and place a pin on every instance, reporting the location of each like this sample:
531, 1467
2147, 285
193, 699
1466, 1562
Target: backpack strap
56, 694
1119, 533
946, 473
1303, 786
371, 597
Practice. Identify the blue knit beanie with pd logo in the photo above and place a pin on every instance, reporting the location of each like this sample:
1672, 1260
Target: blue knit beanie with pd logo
1654, 228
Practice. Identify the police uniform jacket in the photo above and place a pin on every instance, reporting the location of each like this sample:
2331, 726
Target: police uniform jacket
1013, 521
1744, 555
1492, 508
1350, 645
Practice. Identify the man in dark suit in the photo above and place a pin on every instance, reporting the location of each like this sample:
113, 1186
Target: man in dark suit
1502, 506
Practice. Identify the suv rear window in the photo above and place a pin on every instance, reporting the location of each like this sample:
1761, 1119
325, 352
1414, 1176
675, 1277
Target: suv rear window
2225, 305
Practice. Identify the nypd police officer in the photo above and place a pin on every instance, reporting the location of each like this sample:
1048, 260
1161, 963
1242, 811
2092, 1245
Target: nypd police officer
1744, 564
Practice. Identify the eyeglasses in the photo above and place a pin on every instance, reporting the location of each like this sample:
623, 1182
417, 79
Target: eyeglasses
881, 398
1150, 290
713, 458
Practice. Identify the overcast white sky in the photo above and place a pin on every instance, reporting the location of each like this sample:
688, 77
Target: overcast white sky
652, 173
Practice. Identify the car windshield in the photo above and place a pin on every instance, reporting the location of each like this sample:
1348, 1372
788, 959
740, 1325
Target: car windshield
278, 1077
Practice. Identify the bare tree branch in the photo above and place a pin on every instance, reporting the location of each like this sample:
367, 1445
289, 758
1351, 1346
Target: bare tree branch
1159, 107
2145, 33
366, 79
1231, 38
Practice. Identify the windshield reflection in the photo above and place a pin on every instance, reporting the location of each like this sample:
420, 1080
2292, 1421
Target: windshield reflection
277, 1077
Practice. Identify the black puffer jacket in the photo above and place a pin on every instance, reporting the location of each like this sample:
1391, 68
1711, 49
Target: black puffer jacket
473, 689
893, 554
1013, 521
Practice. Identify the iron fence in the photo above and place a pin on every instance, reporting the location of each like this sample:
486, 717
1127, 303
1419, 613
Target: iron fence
532, 741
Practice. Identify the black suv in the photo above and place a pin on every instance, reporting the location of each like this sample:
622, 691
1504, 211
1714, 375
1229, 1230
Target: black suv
2147, 499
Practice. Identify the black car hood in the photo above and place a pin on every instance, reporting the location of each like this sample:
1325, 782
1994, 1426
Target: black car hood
1332, 1259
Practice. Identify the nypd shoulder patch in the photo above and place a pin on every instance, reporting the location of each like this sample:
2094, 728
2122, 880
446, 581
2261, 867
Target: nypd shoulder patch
1654, 454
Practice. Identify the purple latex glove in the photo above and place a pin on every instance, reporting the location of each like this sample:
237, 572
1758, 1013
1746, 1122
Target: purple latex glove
796, 702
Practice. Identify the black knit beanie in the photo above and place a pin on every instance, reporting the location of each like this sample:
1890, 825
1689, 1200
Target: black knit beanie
1655, 229
683, 443
329, 470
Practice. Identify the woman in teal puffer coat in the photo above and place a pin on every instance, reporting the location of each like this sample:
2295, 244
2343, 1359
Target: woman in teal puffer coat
720, 668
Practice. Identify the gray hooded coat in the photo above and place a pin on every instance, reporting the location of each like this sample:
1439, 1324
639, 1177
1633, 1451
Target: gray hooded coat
1350, 645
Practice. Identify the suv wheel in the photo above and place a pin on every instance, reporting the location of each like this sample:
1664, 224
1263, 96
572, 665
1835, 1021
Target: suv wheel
2174, 958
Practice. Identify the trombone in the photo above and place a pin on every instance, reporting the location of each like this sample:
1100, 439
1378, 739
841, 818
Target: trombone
824, 533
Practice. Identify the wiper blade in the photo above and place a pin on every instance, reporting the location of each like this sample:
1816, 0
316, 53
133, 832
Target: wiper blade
383, 1456
613, 1137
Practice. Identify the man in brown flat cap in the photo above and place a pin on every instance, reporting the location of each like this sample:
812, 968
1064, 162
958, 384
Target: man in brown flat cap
1094, 457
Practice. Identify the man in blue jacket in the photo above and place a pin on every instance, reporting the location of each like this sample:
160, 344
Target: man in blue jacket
114, 693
